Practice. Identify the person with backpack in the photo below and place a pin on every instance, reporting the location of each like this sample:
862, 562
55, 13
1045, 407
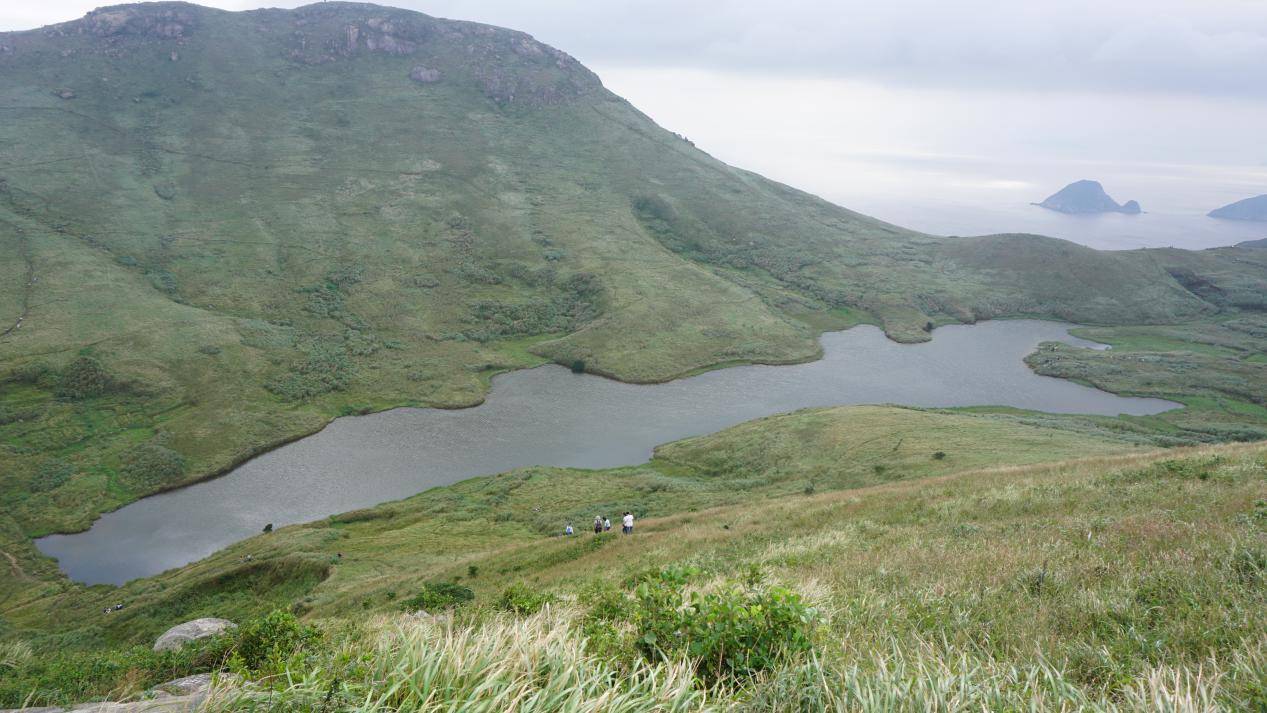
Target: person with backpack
568, 530
626, 523
598, 524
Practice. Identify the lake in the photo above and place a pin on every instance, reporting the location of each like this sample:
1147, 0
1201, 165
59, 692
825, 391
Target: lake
550, 416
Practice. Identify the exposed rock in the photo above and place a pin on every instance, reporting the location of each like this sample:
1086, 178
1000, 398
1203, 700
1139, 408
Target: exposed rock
423, 75
1249, 209
187, 686
178, 696
64, 94
165, 190
388, 44
351, 34
163, 21
181, 634
1085, 197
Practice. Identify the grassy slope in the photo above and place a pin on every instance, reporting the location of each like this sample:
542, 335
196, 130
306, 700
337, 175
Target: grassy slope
1109, 578
1216, 368
439, 533
256, 224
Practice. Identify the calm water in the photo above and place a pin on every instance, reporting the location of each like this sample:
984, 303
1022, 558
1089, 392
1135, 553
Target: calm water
549, 416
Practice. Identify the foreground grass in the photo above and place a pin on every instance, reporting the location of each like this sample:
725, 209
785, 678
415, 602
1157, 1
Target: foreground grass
1118, 582
1121, 583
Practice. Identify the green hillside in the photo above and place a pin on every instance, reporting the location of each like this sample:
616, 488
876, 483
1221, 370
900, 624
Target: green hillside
1115, 578
218, 231
236, 226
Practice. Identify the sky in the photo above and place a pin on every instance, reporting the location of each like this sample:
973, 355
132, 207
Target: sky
872, 103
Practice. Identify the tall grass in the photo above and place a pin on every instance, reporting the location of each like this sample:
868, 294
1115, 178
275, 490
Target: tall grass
526, 665
926, 680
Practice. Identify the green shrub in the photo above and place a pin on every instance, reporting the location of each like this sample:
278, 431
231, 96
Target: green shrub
150, 465
83, 378
727, 635
519, 598
50, 475
439, 595
266, 645
65, 677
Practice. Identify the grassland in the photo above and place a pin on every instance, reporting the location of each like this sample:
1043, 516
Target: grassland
255, 222
1121, 578
1214, 367
218, 231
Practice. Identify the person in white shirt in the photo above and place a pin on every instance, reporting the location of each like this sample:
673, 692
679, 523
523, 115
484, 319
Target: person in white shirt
607, 524
626, 523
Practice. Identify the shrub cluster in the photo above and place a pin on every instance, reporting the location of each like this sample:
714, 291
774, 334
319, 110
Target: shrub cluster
150, 465
84, 378
50, 475
519, 598
439, 595
729, 634
569, 304
266, 645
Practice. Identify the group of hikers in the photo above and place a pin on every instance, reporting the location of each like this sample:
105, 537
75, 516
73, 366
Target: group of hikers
603, 524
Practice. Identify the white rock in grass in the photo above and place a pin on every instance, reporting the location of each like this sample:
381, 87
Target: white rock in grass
181, 634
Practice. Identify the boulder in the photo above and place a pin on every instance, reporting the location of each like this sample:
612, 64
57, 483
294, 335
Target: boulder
181, 634
199, 683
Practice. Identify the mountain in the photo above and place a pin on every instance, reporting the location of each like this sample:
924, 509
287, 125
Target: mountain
1086, 197
221, 230
1249, 209
1259, 243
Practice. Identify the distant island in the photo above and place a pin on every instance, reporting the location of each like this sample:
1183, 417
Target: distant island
1261, 244
1082, 197
1249, 209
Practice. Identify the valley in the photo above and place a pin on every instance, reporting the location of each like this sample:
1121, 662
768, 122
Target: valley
414, 293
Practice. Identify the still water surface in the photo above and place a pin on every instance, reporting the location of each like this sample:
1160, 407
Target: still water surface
549, 416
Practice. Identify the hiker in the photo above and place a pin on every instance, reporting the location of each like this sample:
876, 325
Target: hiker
626, 523
607, 524
568, 530
598, 524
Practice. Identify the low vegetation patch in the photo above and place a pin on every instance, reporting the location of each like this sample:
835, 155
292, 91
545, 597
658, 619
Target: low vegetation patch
435, 596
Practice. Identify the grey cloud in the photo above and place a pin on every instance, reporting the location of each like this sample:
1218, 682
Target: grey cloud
1181, 46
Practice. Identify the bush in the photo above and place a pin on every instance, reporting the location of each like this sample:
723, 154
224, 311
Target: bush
939, 455
265, 645
728, 635
83, 378
439, 595
150, 465
519, 598
66, 677
50, 475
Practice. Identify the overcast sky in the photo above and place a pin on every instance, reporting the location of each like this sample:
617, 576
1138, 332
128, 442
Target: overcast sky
858, 99
1198, 46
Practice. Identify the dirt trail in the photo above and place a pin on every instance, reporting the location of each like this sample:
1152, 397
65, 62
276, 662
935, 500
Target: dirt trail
17, 568
27, 288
